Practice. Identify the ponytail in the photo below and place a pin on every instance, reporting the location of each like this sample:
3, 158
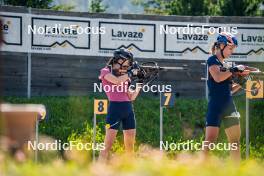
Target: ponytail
214, 47
110, 62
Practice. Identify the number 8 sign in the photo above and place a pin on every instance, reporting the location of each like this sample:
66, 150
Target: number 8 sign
100, 106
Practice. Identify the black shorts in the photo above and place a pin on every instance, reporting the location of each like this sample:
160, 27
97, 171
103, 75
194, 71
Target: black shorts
120, 113
222, 111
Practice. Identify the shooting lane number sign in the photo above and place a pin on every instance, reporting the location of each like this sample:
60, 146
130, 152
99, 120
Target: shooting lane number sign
255, 89
167, 99
100, 106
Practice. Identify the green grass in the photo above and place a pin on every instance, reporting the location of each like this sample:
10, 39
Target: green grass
151, 162
70, 118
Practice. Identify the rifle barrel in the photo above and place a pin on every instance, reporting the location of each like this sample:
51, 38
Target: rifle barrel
173, 68
257, 72
165, 68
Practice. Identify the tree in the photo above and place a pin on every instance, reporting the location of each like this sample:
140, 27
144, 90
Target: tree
194, 7
65, 8
40, 4
242, 8
202, 7
96, 6
180, 7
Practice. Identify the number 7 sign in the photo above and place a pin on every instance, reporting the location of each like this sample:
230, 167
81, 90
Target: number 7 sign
167, 99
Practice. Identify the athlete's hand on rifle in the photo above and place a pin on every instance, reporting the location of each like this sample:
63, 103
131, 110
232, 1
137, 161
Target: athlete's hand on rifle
135, 71
135, 65
237, 69
132, 72
244, 73
240, 70
245, 70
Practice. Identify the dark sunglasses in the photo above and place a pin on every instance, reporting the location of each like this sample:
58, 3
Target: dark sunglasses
125, 66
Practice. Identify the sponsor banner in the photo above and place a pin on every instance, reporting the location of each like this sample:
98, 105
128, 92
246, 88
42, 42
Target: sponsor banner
12, 30
251, 43
67, 36
146, 39
138, 35
196, 44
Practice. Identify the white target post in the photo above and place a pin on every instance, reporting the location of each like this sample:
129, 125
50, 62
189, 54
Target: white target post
205, 79
251, 94
100, 107
167, 99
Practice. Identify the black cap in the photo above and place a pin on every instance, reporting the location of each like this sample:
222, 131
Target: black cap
123, 54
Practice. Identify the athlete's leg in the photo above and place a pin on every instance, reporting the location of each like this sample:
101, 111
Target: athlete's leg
109, 140
233, 134
232, 129
112, 126
211, 135
129, 140
129, 130
213, 121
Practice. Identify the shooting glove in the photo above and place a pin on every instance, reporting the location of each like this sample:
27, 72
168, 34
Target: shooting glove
237, 68
132, 72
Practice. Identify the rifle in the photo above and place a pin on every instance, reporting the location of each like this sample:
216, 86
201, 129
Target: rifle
149, 71
254, 75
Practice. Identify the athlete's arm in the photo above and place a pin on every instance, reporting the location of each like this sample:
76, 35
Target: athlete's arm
116, 80
133, 94
235, 88
217, 74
